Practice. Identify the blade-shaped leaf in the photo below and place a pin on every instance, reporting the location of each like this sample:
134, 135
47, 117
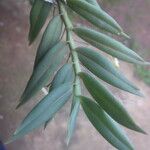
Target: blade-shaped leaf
44, 70
64, 75
38, 15
99, 13
94, 2
73, 117
115, 53
106, 126
44, 110
104, 62
104, 69
109, 102
50, 37
90, 35
98, 23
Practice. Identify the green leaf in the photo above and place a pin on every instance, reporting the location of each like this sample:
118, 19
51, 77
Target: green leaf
98, 23
50, 37
105, 125
91, 36
93, 2
44, 70
64, 75
76, 5
103, 68
73, 118
38, 15
109, 102
115, 53
44, 110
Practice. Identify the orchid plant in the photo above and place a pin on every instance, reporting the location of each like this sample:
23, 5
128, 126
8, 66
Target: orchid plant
63, 59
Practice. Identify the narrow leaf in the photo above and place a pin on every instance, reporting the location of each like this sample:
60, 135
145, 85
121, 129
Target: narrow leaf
50, 37
73, 118
64, 75
39, 12
103, 68
90, 35
44, 110
99, 13
109, 102
99, 23
93, 2
115, 53
44, 70
106, 126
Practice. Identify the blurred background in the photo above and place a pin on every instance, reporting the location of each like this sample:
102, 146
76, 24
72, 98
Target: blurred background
16, 62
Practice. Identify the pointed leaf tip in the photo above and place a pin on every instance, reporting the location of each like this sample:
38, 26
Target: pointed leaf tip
44, 110
38, 15
109, 102
105, 125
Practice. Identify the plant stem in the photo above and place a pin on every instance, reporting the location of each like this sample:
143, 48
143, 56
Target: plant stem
76, 66
74, 55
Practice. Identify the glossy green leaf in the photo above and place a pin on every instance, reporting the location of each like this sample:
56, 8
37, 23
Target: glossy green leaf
50, 37
44, 70
105, 125
73, 117
44, 110
109, 102
103, 68
38, 15
90, 35
64, 75
76, 5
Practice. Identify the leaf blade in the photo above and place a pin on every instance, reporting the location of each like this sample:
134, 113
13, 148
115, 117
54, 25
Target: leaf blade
79, 4
109, 102
108, 128
64, 75
104, 70
50, 37
93, 2
38, 15
73, 117
90, 35
103, 62
41, 74
45, 109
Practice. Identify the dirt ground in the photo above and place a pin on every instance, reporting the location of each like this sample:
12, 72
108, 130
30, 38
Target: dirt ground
16, 61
